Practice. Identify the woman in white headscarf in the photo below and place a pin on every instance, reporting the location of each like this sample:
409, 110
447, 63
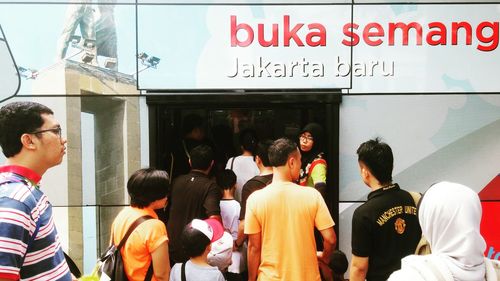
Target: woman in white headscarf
450, 215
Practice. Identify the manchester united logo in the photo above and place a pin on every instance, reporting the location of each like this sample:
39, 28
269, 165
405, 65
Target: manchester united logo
400, 225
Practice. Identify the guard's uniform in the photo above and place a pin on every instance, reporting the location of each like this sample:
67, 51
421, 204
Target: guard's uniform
385, 229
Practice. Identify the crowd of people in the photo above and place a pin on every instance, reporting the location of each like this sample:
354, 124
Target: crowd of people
273, 225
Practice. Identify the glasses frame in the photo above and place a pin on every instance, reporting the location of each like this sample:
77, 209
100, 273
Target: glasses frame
306, 138
57, 131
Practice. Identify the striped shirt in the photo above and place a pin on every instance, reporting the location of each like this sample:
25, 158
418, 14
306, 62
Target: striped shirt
23, 207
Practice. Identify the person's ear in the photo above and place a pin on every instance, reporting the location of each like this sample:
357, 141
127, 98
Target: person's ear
27, 141
365, 173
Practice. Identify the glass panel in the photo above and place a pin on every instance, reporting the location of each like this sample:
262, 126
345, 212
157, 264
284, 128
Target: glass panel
37, 37
9, 76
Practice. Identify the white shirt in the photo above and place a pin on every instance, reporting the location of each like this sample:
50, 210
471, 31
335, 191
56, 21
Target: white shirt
245, 168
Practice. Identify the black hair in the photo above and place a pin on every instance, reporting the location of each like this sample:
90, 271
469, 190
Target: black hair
201, 157
226, 179
248, 140
338, 262
146, 186
16, 119
280, 151
193, 241
378, 158
263, 152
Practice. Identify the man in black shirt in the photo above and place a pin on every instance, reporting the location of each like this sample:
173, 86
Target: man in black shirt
193, 196
258, 182
385, 228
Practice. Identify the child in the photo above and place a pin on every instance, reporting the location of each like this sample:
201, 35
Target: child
196, 240
336, 269
230, 212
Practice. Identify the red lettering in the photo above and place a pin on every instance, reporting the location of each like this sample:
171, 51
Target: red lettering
321, 34
455, 26
441, 33
405, 29
368, 34
493, 38
291, 34
348, 31
234, 33
315, 37
274, 38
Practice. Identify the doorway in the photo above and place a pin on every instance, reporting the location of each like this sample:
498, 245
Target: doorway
271, 116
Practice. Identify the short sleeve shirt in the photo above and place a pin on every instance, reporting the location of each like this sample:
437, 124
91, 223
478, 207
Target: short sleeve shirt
23, 207
143, 241
253, 184
294, 215
194, 195
385, 229
196, 272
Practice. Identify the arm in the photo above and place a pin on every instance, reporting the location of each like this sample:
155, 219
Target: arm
254, 250
161, 262
241, 234
211, 203
329, 243
318, 175
359, 268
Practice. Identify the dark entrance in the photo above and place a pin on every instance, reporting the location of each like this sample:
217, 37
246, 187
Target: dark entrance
271, 115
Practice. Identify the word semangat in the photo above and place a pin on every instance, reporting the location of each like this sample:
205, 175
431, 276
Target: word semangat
372, 34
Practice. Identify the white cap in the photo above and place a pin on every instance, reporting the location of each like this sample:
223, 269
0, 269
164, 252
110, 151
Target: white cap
212, 228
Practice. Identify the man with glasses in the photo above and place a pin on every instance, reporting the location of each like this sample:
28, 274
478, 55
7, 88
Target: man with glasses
31, 140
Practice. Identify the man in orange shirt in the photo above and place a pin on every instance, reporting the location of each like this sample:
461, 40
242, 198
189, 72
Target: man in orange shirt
280, 221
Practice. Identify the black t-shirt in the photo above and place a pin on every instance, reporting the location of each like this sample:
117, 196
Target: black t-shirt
194, 195
385, 229
253, 184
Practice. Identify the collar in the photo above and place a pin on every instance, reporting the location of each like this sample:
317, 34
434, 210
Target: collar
198, 173
382, 190
22, 171
146, 211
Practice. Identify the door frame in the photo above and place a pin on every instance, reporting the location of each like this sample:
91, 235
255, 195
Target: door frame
329, 100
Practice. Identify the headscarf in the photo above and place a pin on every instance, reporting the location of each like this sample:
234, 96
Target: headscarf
450, 217
316, 132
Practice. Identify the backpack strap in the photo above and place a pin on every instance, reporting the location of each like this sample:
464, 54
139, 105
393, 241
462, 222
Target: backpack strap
149, 274
232, 162
131, 229
183, 271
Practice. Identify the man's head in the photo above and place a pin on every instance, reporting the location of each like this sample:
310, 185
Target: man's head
262, 153
198, 234
375, 159
30, 128
19, 118
147, 186
248, 140
285, 156
201, 157
226, 179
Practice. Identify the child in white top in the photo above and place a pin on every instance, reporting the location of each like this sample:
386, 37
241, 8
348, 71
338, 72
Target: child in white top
230, 212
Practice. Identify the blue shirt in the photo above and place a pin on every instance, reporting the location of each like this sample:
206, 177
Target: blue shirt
23, 206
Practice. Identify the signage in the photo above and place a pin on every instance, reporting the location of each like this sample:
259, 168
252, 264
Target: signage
358, 48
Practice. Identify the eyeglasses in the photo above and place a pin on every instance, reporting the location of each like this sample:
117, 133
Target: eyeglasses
306, 138
57, 131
